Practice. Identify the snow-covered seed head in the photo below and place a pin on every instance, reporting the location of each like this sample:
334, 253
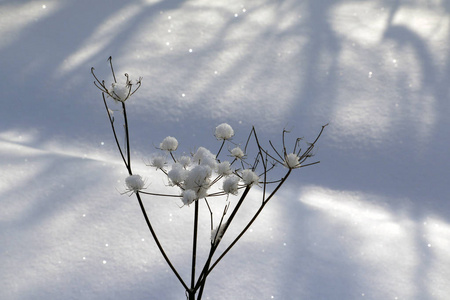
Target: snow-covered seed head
237, 152
204, 157
224, 132
230, 185
249, 177
177, 174
198, 180
158, 162
169, 144
224, 168
185, 161
120, 91
291, 161
188, 196
134, 183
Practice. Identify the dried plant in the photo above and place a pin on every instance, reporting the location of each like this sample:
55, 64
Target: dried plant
195, 175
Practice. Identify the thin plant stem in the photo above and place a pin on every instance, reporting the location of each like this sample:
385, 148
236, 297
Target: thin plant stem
111, 120
249, 223
261, 161
202, 278
161, 249
141, 205
220, 149
194, 244
112, 69
127, 137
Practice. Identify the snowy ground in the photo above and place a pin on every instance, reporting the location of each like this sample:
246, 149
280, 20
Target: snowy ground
371, 221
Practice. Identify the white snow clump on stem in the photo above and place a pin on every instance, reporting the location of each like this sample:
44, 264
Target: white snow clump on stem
230, 185
198, 180
223, 168
224, 132
158, 162
169, 144
291, 161
120, 92
204, 157
188, 196
134, 183
185, 161
249, 177
177, 174
237, 152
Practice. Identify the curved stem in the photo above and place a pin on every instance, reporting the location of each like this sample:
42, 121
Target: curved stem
220, 149
205, 271
161, 249
138, 196
249, 223
111, 121
127, 138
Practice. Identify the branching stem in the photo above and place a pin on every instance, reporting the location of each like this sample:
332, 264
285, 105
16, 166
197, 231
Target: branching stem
260, 163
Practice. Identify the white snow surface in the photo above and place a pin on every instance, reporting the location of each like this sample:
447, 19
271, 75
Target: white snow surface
371, 221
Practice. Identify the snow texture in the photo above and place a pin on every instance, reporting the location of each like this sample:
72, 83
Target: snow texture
371, 221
